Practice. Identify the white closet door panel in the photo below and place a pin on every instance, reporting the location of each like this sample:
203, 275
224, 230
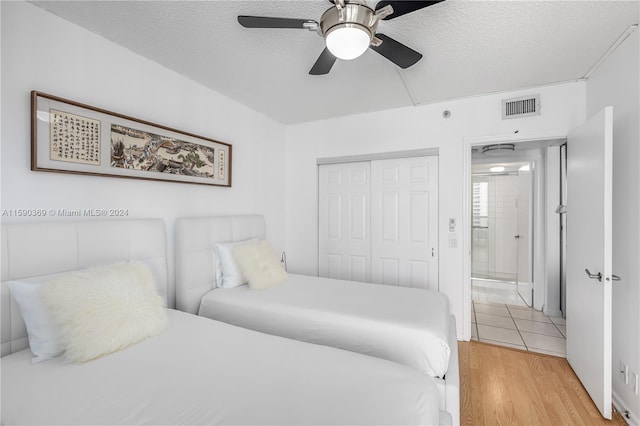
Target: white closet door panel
359, 205
389, 271
418, 209
344, 221
418, 274
333, 265
389, 173
359, 268
419, 172
359, 175
390, 215
404, 216
334, 176
334, 216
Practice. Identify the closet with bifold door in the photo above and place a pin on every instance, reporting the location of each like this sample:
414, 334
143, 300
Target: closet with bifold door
378, 220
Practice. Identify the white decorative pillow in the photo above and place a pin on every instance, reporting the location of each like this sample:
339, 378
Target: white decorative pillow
260, 265
228, 274
102, 310
44, 341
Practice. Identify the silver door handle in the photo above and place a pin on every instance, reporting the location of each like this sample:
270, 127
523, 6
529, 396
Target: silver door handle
597, 276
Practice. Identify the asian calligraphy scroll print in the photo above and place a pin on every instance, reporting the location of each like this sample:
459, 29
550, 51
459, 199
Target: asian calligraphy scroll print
74, 139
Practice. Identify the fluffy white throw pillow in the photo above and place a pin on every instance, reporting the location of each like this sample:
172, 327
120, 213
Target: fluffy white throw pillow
260, 265
102, 310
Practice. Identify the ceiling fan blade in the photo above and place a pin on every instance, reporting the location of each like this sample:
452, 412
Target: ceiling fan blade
268, 22
396, 52
403, 7
324, 63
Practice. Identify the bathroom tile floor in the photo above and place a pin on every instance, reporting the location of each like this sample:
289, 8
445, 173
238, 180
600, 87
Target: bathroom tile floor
518, 327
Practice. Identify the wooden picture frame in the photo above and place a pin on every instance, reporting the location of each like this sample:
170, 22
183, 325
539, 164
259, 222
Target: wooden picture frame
71, 137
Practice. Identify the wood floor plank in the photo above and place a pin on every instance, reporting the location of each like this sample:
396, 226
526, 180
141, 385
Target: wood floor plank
504, 386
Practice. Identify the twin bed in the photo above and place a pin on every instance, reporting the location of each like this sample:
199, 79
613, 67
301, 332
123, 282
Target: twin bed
201, 371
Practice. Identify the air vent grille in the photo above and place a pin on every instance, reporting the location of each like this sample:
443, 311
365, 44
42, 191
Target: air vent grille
521, 107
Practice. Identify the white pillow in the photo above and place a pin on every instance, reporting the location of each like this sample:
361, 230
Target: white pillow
228, 274
260, 265
44, 341
102, 310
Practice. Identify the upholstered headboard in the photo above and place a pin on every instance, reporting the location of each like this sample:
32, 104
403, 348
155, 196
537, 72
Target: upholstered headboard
195, 256
33, 249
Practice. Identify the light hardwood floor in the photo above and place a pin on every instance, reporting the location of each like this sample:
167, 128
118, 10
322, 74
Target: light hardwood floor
503, 386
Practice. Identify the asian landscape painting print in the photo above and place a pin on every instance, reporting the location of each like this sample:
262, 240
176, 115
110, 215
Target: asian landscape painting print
141, 150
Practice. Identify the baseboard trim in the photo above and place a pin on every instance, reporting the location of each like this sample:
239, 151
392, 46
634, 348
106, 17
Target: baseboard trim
552, 313
633, 419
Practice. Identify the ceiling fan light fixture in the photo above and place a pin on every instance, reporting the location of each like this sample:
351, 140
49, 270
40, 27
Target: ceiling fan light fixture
349, 28
498, 149
348, 41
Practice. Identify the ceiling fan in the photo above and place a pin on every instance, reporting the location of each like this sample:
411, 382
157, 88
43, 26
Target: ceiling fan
349, 29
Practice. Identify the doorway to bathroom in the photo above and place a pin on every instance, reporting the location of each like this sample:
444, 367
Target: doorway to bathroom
514, 243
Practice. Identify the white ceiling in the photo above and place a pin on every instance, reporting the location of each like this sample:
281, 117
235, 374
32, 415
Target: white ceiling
470, 48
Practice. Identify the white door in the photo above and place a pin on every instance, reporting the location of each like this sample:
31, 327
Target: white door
344, 241
589, 187
404, 220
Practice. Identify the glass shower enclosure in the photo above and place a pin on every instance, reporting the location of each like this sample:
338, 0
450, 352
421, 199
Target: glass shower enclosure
501, 228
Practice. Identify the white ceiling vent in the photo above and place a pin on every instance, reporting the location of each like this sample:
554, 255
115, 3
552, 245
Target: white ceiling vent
521, 107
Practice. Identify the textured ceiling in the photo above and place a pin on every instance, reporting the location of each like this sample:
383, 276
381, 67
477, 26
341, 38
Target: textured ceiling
470, 48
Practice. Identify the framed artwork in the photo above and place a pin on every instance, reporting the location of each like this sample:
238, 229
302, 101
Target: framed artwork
70, 137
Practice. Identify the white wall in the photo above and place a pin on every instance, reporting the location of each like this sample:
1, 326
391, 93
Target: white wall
43, 52
616, 83
405, 129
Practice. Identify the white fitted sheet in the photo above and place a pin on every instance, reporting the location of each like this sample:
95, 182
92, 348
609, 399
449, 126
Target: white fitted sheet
406, 325
206, 372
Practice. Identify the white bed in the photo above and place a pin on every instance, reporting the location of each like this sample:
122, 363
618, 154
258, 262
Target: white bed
199, 371
413, 327
406, 325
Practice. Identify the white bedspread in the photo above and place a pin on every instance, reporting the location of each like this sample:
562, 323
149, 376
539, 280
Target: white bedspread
405, 325
206, 372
